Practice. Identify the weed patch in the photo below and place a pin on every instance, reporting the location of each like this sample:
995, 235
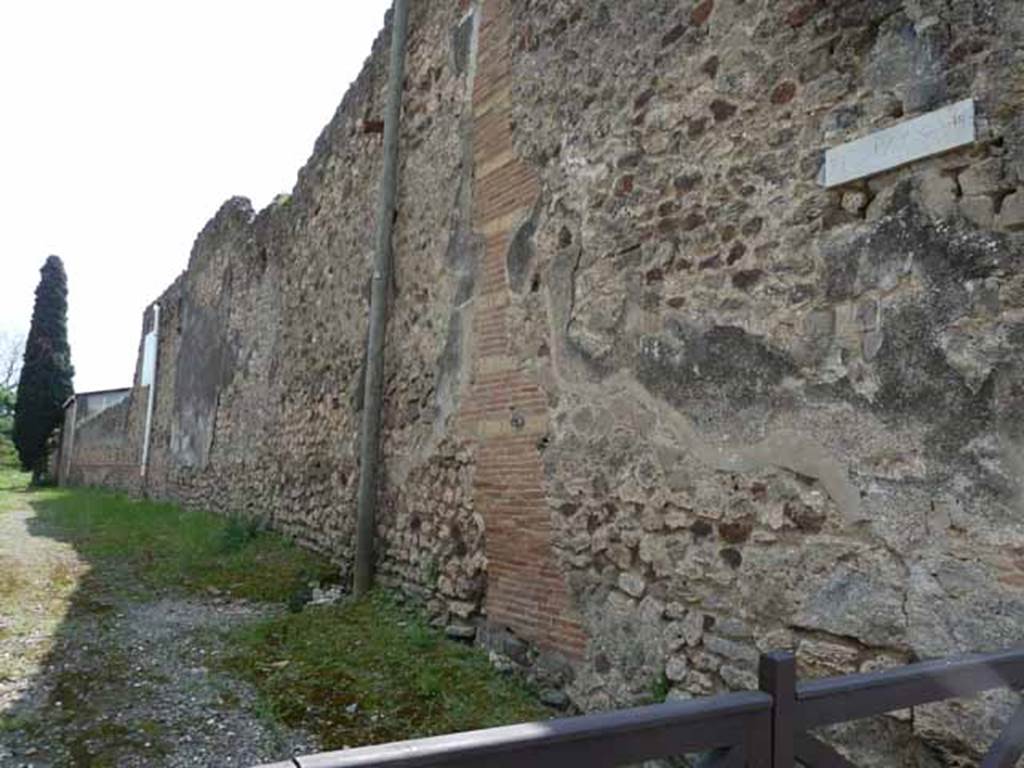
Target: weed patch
368, 672
11, 582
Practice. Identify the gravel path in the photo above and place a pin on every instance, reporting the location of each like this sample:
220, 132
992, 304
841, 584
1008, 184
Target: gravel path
95, 673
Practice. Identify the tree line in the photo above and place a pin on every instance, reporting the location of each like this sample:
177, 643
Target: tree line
12, 349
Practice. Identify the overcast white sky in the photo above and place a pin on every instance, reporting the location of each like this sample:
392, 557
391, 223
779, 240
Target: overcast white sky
124, 124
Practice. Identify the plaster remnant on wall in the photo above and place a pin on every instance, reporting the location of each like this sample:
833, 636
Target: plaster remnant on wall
675, 438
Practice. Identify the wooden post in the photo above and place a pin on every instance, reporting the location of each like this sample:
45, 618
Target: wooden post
777, 676
758, 747
1009, 746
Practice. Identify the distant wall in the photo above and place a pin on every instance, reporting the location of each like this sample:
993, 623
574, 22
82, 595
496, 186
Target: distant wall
656, 399
90, 404
100, 455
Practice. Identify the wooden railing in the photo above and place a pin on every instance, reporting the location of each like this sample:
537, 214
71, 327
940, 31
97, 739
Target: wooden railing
800, 707
758, 729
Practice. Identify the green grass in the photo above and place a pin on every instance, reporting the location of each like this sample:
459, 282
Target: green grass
168, 547
370, 671
13, 482
355, 673
164, 546
8, 455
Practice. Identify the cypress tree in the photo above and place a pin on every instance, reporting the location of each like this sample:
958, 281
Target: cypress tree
46, 374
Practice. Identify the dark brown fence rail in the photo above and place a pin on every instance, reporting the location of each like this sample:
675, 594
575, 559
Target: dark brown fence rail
763, 729
737, 724
800, 707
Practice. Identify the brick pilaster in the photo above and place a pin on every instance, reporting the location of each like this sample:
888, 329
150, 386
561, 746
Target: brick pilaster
506, 411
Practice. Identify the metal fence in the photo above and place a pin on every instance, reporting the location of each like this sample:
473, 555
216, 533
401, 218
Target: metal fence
759, 729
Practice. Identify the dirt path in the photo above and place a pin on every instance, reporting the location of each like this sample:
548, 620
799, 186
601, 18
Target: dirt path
95, 672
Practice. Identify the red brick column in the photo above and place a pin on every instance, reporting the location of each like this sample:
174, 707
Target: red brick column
506, 412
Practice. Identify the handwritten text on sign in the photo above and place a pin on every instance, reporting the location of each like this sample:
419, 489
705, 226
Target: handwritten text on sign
938, 131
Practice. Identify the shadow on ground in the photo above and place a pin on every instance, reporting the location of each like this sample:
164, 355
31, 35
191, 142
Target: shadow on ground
141, 632
100, 669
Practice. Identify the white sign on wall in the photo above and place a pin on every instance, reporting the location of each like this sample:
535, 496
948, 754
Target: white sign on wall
930, 134
148, 359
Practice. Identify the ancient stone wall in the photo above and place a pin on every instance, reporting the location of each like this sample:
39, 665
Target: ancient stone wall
656, 398
787, 417
100, 454
261, 339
